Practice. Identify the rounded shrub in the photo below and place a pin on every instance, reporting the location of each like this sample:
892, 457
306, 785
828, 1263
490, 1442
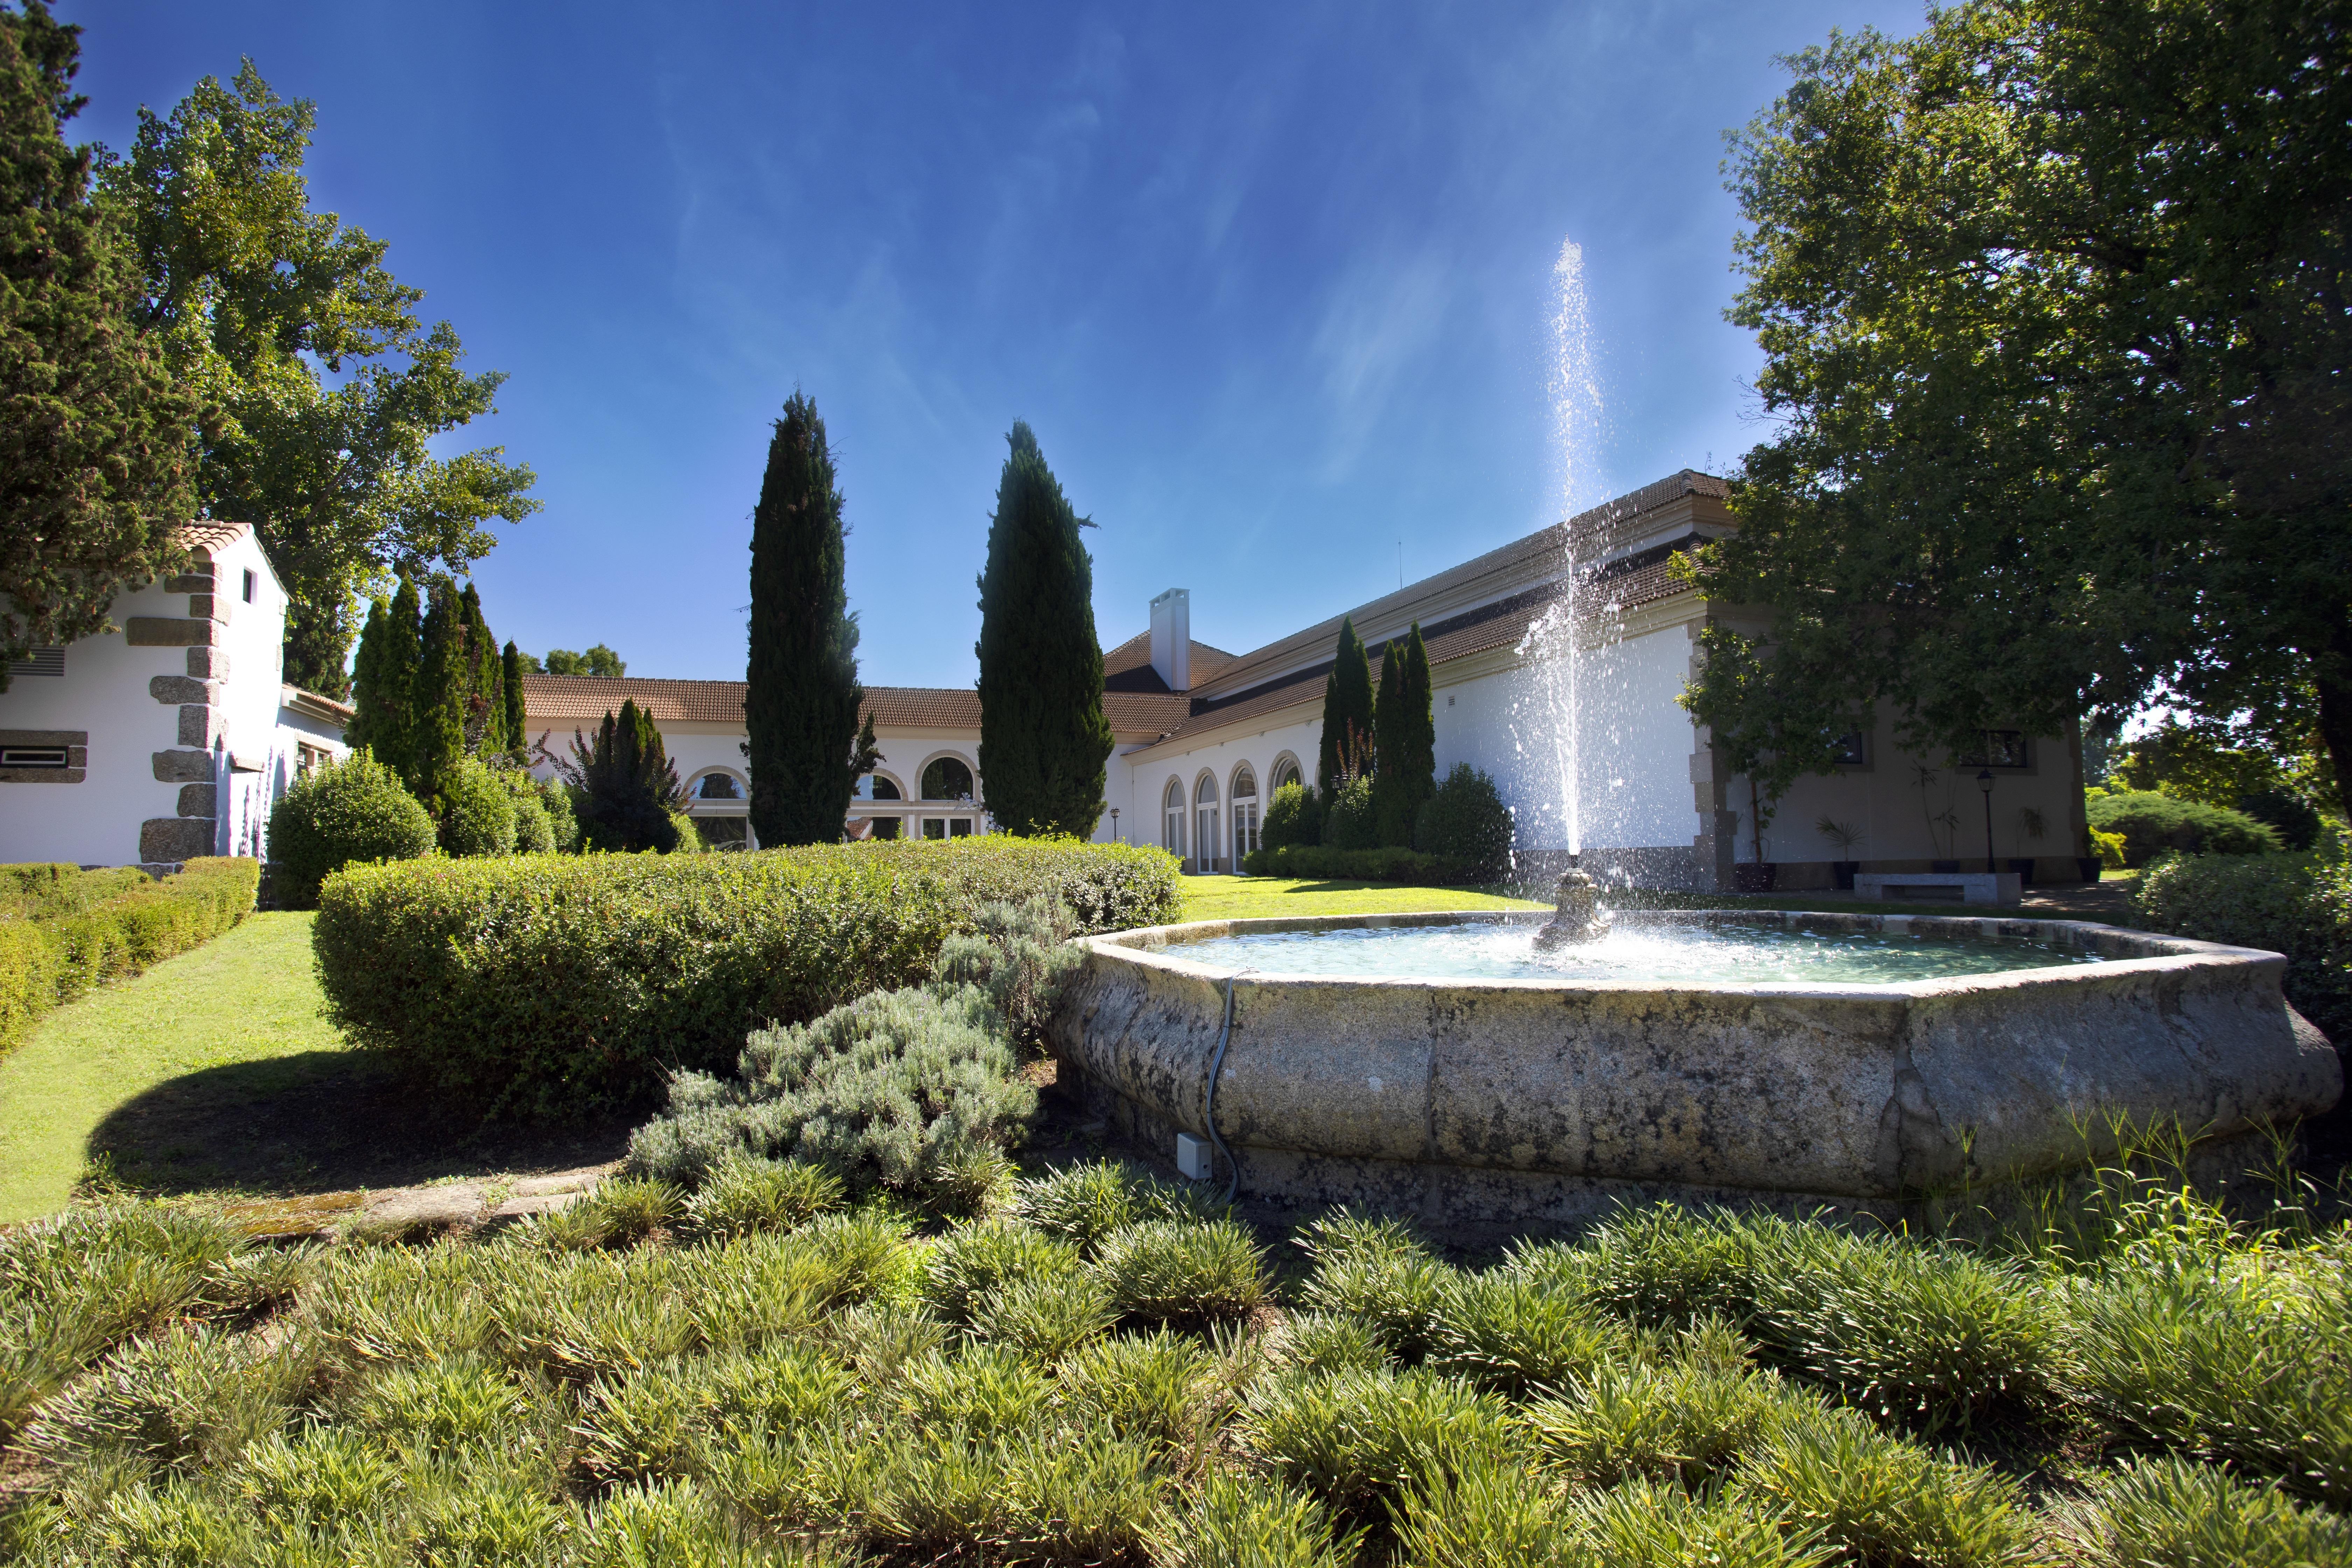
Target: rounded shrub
1351, 823
2294, 904
1466, 821
1293, 817
534, 835
2152, 823
477, 813
2288, 815
338, 814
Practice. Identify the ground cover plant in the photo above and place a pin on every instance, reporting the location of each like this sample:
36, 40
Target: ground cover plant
1098, 1367
64, 929
547, 988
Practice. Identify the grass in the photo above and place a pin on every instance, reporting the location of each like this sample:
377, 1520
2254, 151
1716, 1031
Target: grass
214, 1071
1265, 897
245, 1001
1106, 1370
1268, 898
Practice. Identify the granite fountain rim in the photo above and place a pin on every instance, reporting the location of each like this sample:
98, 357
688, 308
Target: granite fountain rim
1154, 947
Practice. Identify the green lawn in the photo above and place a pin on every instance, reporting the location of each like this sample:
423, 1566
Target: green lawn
246, 1000
214, 1071
1265, 897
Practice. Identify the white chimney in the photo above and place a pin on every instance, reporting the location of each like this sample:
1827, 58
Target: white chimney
1172, 639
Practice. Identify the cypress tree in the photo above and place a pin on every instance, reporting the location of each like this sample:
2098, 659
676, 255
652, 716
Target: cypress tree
1042, 736
439, 707
1346, 710
800, 704
1408, 740
511, 673
383, 682
485, 703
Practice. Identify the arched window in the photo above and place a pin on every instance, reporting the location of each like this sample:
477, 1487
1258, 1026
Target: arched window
946, 779
718, 787
1245, 814
1204, 824
1172, 806
873, 786
1285, 772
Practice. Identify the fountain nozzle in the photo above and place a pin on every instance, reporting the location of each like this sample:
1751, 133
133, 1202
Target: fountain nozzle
1576, 915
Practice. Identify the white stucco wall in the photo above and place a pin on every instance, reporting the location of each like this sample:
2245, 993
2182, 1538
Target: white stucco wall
132, 701
1219, 755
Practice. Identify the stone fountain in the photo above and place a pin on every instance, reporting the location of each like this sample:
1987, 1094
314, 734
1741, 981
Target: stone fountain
1576, 915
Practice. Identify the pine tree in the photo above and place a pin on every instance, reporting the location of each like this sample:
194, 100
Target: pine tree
438, 708
625, 785
1408, 740
1042, 736
94, 432
383, 682
518, 744
1346, 710
803, 697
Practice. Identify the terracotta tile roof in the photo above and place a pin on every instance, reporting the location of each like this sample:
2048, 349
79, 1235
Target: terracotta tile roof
208, 536
583, 699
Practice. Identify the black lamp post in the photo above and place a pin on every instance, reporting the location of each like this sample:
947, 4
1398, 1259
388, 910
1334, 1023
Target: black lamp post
1984, 786
1114, 824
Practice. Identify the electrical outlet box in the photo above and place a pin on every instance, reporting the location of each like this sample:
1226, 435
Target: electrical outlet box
1193, 1157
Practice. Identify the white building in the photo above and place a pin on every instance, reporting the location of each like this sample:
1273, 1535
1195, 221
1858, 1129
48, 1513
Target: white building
167, 739
1205, 736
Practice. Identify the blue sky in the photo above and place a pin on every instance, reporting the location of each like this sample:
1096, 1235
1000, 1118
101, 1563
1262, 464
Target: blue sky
1269, 282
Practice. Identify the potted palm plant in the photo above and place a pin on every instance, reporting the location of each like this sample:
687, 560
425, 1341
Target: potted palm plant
1842, 837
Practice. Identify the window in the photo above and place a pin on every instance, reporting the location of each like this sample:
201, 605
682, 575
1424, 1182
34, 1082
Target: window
1204, 824
1245, 835
946, 779
1285, 772
1171, 811
947, 827
249, 581
32, 757
1850, 750
718, 787
41, 661
873, 786
2001, 749
884, 826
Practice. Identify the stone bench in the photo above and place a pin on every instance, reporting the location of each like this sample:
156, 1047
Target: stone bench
1919, 886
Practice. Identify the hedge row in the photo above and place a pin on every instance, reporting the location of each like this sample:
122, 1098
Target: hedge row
63, 929
2153, 825
2299, 905
542, 987
1384, 865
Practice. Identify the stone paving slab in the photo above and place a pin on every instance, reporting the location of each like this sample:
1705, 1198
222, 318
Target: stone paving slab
443, 1206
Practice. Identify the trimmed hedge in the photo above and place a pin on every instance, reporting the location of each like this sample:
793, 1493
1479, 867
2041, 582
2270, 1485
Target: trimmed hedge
2152, 823
543, 987
2296, 904
1389, 864
63, 931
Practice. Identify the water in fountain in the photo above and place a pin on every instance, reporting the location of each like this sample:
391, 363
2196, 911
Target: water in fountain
1547, 721
1730, 953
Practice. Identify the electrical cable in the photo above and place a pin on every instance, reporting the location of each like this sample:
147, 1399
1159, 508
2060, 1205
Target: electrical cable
1216, 1066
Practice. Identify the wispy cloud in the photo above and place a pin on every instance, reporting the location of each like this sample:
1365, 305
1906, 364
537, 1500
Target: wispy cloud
1379, 317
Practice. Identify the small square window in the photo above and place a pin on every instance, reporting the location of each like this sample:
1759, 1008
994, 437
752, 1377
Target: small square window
2001, 749
1851, 749
249, 586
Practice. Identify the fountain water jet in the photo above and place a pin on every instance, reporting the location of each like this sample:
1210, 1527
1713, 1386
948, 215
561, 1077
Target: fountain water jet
1555, 713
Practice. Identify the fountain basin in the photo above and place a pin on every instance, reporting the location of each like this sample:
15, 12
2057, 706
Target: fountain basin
1549, 1098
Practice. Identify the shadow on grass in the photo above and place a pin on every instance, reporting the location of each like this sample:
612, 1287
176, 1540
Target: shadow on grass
321, 1121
